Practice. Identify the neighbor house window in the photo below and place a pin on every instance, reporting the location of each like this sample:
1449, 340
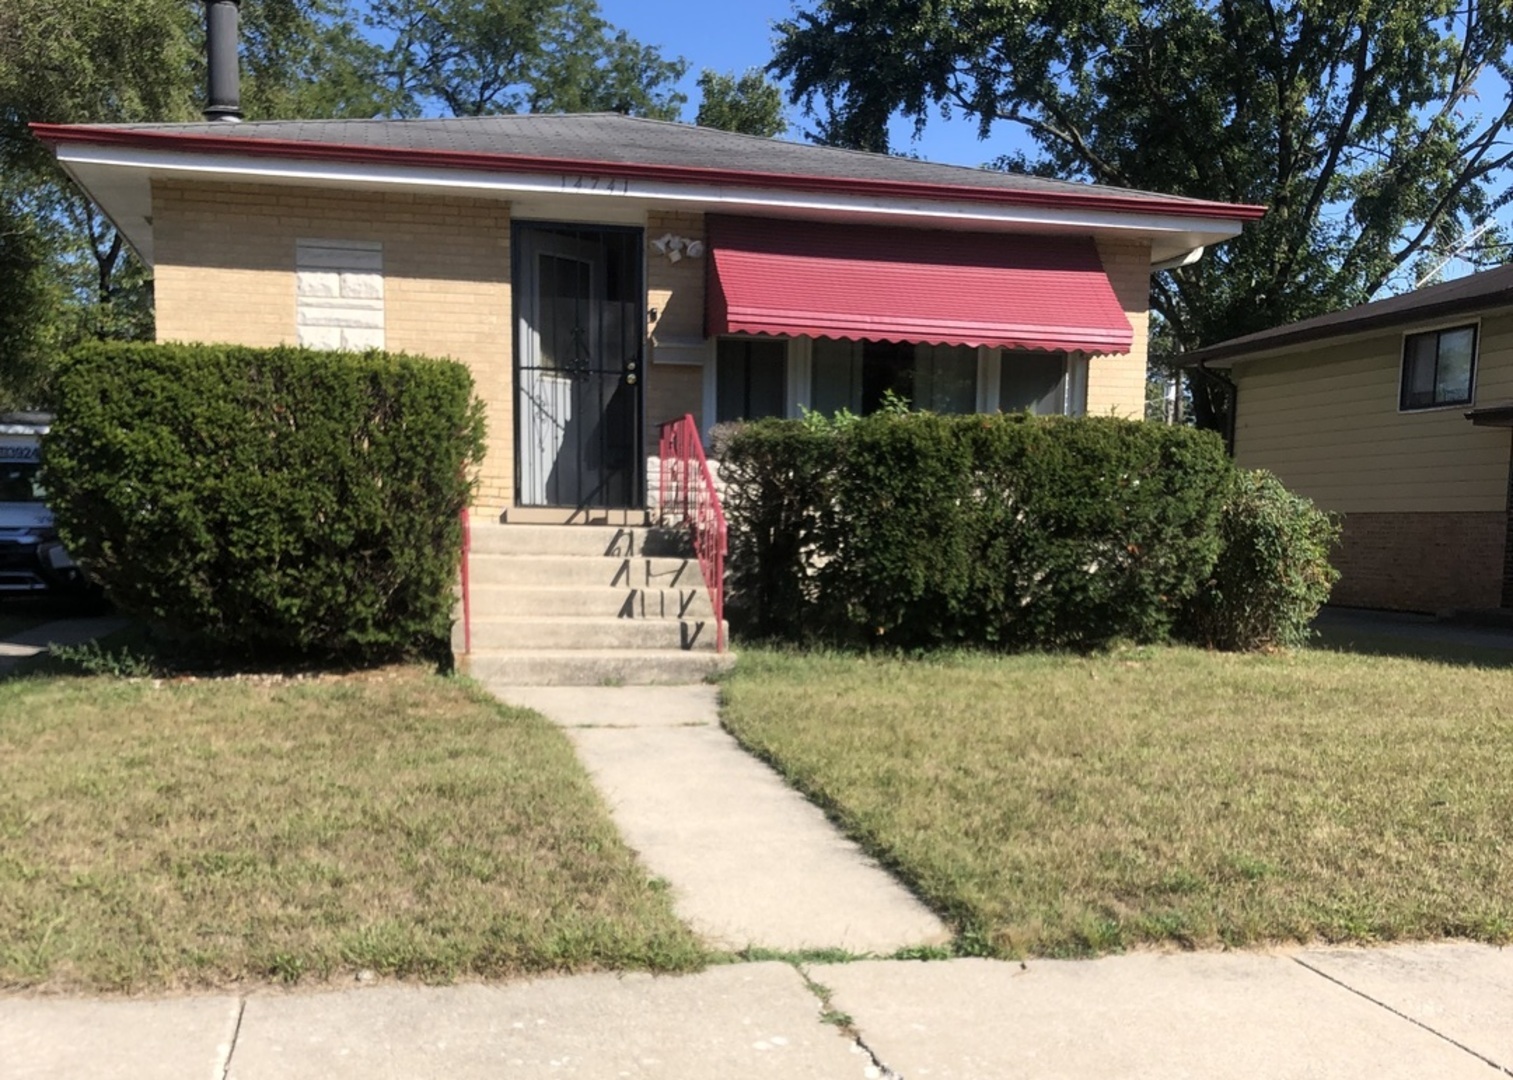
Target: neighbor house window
339, 294
1046, 384
858, 376
751, 378
1439, 368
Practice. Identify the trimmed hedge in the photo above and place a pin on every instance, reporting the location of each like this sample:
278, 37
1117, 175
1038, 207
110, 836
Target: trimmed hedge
280, 501
1273, 574
919, 530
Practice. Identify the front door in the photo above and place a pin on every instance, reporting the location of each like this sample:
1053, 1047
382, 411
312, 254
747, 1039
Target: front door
578, 366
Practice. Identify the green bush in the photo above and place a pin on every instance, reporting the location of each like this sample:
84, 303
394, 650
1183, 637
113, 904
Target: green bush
1273, 573
278, 502
917, 530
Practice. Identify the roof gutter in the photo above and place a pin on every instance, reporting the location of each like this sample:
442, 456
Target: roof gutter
1243, 349
56, 135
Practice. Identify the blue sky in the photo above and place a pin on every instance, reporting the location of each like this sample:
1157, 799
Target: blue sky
737, 34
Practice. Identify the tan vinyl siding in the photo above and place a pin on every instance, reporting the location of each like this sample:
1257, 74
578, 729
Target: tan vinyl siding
226, 273
1116, 383
1326, 420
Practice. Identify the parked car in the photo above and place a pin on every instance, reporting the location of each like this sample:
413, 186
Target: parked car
32, 560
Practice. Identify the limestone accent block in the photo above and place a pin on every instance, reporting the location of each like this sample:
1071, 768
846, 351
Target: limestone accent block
339, 294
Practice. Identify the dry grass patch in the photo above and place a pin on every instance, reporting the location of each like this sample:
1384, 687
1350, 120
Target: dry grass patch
196, 833
1068, 806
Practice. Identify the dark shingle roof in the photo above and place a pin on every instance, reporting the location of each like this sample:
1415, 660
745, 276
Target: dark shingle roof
1476, 292
613, 138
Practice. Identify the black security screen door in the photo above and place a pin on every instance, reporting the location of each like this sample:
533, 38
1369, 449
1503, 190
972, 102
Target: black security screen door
578, 366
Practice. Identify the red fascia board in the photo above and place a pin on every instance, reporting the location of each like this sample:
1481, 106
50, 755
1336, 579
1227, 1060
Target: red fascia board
55, 135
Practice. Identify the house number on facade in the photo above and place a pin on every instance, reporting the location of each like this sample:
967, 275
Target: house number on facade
606, 184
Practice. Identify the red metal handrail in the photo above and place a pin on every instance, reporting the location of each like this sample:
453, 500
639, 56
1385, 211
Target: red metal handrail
467, 590
687, 491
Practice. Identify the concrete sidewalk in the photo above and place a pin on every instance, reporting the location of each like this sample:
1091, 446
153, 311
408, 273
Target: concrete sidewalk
1443, 1011
35, 640
749, 860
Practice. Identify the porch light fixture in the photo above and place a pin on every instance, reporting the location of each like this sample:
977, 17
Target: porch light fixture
676, 247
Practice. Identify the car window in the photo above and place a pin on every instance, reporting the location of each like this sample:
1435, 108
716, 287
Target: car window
18, 483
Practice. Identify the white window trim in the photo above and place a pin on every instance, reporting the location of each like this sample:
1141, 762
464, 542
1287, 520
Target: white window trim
989, 378
1074, 385
800, 376
1402, 364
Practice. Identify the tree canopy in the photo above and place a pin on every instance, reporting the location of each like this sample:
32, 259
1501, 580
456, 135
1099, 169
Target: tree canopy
1376, 133
749, 103
474, 57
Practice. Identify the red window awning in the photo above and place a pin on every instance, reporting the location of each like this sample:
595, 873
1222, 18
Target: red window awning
875, 283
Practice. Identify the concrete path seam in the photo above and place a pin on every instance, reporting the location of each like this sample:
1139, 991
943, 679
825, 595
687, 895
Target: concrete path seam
879, 1070
1404, 1016
236, 1033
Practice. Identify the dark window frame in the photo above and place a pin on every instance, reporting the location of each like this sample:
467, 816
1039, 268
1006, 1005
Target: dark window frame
1438, 333
750, 342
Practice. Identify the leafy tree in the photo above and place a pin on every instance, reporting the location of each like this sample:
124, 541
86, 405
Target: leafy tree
90, 61
749, 104
308, 59
25, 331
477, 57
1361, 126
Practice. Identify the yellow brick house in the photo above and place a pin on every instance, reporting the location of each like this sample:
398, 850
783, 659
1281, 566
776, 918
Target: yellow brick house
601, 274
526, 245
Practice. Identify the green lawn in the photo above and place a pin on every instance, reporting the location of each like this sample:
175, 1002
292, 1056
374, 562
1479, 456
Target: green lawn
1055, 805
161, 835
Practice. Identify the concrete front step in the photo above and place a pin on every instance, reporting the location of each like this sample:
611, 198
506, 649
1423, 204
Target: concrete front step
592, 667
588, 633
561, 571
616, 540
500, 601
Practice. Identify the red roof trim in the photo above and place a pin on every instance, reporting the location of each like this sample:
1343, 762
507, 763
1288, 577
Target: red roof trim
57, 134
884, 283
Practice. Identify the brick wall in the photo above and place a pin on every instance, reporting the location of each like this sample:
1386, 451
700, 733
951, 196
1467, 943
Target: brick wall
225, 256
1116, 383
675, 291
1429, 562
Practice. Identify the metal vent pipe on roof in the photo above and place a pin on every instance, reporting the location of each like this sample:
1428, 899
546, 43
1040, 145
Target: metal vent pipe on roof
224, 91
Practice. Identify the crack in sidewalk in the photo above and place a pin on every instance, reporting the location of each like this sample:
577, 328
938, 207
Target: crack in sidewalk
236, 1032
1404, 1016
846, 1024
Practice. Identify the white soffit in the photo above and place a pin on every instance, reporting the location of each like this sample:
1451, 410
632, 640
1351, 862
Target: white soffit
119, 180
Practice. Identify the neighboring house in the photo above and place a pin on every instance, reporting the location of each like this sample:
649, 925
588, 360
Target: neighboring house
601, 274
1394, 414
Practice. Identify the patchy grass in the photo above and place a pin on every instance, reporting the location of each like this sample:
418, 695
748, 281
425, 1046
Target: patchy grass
195, 833
1065, 806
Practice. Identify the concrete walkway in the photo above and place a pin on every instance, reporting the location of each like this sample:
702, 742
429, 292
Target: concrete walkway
1402, 633
750, 861
1442, 1011
35, 640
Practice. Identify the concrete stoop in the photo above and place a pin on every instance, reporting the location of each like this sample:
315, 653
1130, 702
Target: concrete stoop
587, 605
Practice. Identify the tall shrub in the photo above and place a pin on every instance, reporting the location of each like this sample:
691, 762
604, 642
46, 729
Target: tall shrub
1273, 573
918, 530
279, 501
